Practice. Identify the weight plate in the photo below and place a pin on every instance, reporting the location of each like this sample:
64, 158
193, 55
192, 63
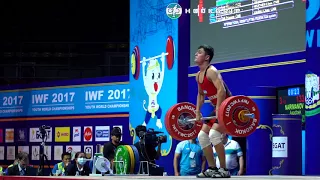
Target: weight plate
180, 128
132, 160
122, 154
230, 113
137, 74
133, 64
171, 52
167, 122
137, 159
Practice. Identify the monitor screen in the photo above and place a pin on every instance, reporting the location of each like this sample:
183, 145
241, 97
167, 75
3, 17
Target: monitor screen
290, 100
244, 29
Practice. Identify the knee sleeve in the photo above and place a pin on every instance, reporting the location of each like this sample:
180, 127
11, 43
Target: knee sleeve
215, 137
204, 140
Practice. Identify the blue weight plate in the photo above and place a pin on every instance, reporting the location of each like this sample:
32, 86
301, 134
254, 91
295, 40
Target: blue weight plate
136, 156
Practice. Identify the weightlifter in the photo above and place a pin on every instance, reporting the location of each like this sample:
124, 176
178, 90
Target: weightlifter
210, 84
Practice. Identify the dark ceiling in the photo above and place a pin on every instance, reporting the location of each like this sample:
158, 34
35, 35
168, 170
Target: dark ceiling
49, 40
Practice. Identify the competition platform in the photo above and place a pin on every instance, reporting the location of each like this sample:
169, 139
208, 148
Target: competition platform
153, 177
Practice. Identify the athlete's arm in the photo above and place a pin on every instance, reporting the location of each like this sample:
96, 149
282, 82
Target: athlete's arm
216, 79
200, 97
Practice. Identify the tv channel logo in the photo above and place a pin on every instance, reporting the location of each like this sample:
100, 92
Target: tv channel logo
102, 133
174, 10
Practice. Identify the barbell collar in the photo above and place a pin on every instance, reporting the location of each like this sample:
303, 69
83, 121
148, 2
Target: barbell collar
154, 57
250, 115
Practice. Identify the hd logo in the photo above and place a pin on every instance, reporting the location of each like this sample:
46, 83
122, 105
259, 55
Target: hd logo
313, 30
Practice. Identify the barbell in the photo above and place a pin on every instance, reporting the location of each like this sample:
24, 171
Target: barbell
136, 60
238, 116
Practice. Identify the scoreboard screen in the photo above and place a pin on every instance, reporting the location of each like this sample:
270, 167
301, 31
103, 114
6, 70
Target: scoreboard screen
291, 101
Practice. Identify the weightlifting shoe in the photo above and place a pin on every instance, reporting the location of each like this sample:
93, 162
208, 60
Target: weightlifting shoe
208, 173
222, 173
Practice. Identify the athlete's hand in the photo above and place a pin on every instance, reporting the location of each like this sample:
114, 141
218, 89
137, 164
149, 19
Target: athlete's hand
198, 116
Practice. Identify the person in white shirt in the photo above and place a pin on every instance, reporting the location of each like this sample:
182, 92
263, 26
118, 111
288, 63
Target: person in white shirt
234, 156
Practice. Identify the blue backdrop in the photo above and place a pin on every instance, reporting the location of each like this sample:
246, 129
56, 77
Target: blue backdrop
79, 99
68, 128
155, 91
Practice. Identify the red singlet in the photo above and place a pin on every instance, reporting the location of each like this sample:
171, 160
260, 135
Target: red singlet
210, 90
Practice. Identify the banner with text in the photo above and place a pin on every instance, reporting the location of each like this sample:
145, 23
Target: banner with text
85, 99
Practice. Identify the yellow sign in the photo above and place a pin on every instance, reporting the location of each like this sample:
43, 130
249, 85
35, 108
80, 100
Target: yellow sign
62, 134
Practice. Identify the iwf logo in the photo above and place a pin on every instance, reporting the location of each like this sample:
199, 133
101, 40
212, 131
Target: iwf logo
312, 11
174, 11
313, 33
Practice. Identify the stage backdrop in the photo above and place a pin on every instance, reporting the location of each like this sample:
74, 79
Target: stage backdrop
154, 30
272, 60
312, 86
80, 114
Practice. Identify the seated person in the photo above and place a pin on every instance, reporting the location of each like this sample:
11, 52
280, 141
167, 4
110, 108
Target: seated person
79, 166
22, 168
62, 166
16, 160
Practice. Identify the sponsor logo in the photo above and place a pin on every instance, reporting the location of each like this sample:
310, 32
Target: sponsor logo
35, 135
102, 133
280, 147
76, 137
312, 96
62, 134
1, 135
22, 135
9, 135
88, 133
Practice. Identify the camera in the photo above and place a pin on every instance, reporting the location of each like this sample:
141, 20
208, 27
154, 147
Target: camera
150, 137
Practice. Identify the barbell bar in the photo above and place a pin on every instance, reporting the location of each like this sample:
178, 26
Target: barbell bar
154, 57
249, 115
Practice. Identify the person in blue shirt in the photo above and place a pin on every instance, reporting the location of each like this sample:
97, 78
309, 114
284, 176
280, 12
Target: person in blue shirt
188, 158
62, 166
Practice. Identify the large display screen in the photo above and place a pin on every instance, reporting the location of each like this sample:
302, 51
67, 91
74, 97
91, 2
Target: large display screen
291, 100
244, 29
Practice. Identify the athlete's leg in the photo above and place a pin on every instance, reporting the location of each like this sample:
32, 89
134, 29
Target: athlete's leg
206, 146
216, 140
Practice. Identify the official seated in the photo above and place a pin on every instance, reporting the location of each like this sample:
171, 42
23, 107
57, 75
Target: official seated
79, 167
61, 167
16, 160
22, 168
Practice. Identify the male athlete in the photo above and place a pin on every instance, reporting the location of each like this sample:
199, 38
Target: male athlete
210, 84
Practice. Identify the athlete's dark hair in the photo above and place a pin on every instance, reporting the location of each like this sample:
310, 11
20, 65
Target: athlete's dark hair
208, 50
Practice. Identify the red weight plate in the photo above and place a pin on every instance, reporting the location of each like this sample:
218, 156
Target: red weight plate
167, 122
170, 50
168, 125
177, 118
228, 116
137, 74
